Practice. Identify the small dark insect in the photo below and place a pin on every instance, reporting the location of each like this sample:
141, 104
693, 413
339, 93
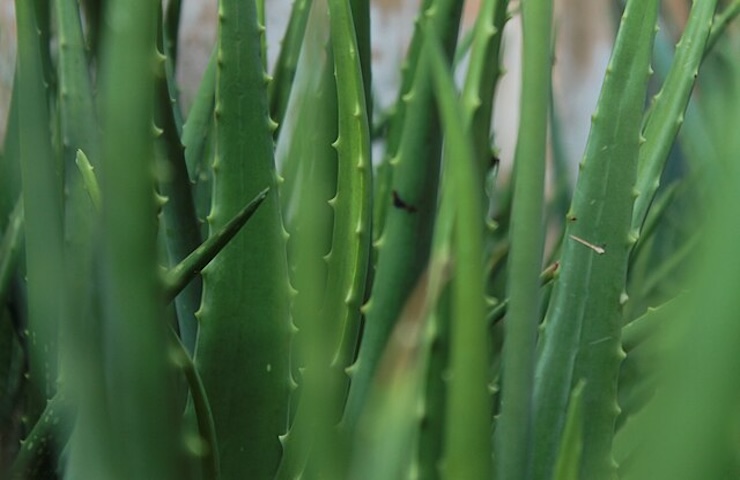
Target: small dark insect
399, 203
494, 161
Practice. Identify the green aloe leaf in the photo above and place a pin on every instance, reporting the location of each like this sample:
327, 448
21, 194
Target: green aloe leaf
198, 141
403, 239
48, 434
667, 112
243, 343
145, 425
180, 222
10, 249
582, 328
514, 433
467, 438
696, 387
184, 272
483, 74
720, 24
81, 339
287, 62
42, 200
571, 446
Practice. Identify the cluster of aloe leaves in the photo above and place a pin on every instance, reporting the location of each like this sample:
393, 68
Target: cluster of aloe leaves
242, 292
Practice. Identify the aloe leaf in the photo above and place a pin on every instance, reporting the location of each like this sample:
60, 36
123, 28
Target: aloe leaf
42, 200
10, 173
720, 24
206, 446
199, 121
484, 40
10, 249
89, 180
432, 417
571, 446
174, 282
189, 267
499, 309
667, 112
243, 343
313, 416
483, 74
81, 332
171, 29
11, 370
93, 13
657, 244
561, 177
629, 439
463, 47
12, 356
182, 231
467, 437
287, 61
433, 403
260, 4
583, 324
309, 169
646, 325
654, 217
43, 15
76, 102
670, 266
47, 434
447, 17
167, 105
350, 253
198, 141
514, 438
304, 144
360, 19
655, 342
310, 182
332, 328
348, 260
429, 357
145, 426
386, 431
695, 441
403, 248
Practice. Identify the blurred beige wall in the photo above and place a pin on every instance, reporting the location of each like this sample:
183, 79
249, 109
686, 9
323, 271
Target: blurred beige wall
584, 34
7, 58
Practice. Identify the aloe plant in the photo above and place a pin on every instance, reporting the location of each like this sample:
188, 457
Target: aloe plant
242, 291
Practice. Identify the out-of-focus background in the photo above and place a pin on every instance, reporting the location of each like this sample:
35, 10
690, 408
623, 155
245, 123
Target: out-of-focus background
584, 33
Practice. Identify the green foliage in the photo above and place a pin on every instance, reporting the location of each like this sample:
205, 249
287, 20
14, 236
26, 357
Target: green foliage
226, 297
